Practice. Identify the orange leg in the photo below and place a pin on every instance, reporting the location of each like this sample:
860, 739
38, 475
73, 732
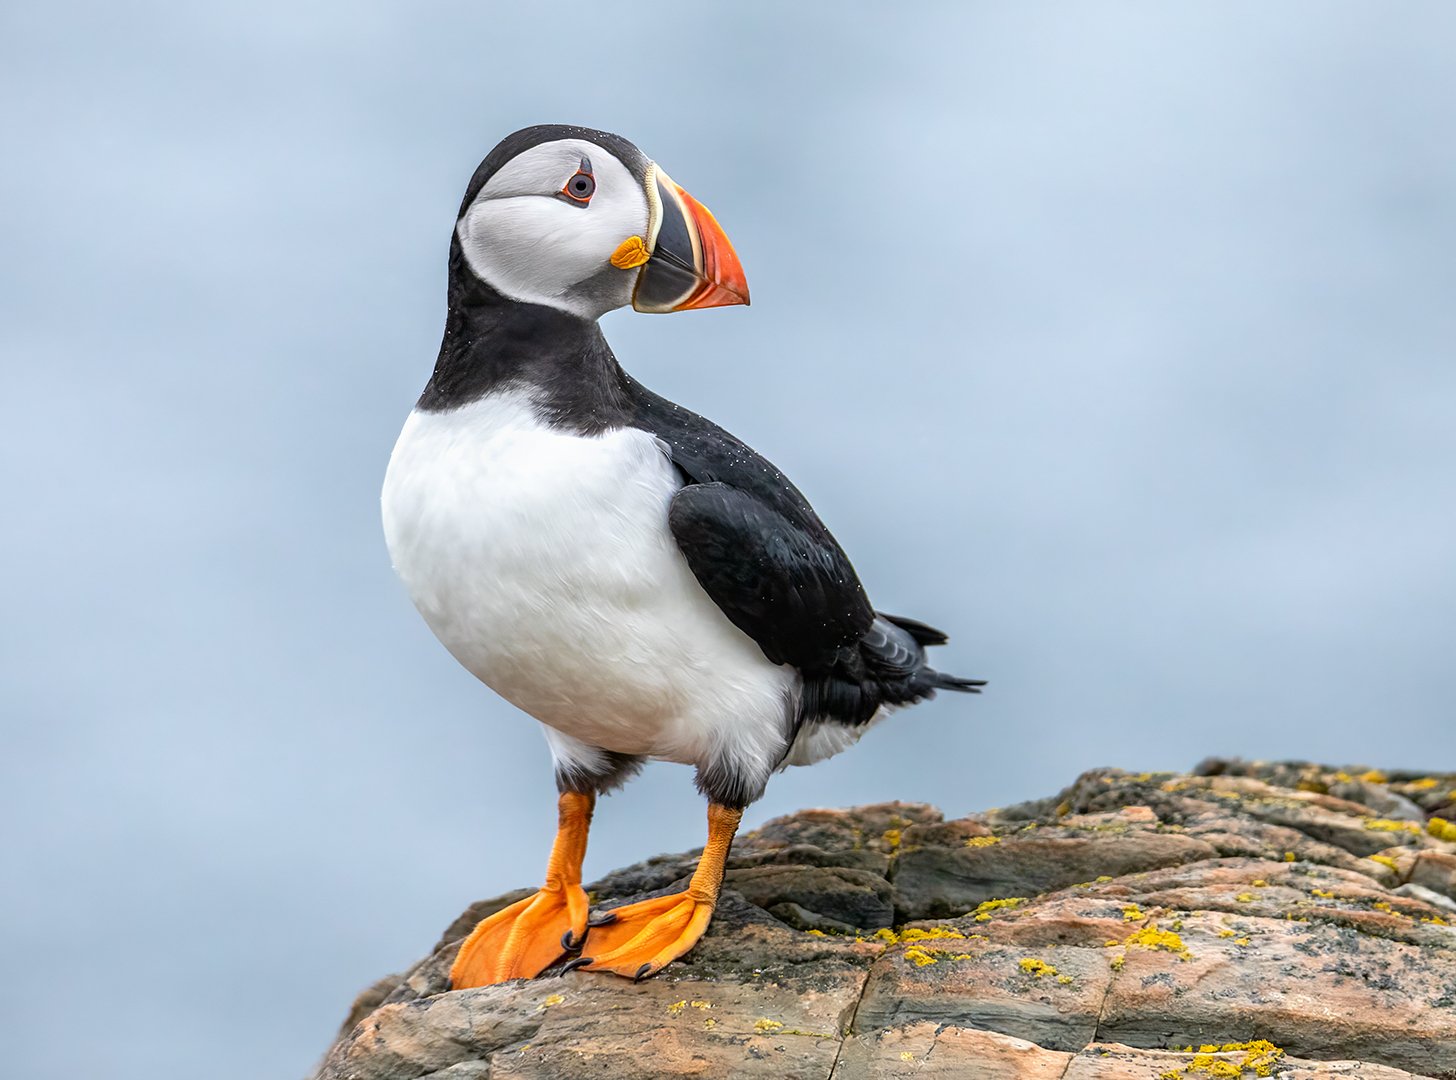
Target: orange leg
521, 941
647, 936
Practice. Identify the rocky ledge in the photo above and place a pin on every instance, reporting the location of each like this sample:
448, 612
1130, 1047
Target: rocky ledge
1249, 919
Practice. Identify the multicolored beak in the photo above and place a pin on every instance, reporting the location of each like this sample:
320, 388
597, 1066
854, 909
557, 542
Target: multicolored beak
691, 263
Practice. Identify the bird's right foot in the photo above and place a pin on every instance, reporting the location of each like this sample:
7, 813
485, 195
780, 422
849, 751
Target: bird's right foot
523, 940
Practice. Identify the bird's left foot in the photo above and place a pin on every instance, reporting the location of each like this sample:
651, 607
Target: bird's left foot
647, 936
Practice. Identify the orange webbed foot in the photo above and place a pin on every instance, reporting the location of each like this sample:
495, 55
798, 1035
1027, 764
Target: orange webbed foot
523, 940
645, 937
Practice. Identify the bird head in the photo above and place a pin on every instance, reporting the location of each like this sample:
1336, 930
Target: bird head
583, 221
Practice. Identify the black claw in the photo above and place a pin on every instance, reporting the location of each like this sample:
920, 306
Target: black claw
572, 946
606, 918
572, 965
642, 973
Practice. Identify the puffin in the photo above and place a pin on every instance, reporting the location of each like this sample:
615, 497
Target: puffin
624, 571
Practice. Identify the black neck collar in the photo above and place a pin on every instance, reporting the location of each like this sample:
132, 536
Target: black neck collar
492, 342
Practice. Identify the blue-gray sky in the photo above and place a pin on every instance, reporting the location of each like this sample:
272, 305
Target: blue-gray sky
1117, 339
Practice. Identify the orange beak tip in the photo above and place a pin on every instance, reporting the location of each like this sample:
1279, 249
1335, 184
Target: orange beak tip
725, 284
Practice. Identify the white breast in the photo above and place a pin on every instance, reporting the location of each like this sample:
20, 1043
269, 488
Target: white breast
544, 563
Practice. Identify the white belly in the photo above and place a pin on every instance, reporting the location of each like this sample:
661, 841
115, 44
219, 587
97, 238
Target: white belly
544, 563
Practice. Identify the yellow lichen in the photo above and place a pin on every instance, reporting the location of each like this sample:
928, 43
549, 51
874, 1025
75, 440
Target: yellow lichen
1442, 829
984, 910
550, 1000
1289, 856
891, 837
906, 1055
919, 955
1259, 883
1322, 894
764, 1026
1425, 783
1241, 941
1386, 861
1132, 913
1245, 898
816, 933
1435, 919
1260, 1058
701, 1004
935, 933
1117, 962
1064, 979
1034, 967
1215, 1067
1150, 937
1226, 933
1376, 824
710, 1023
1374, 776
1381, 905
982, 841
884, 933
1260, 1055
676, 1008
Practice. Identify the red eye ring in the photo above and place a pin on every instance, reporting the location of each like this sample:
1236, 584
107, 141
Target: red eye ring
582, 186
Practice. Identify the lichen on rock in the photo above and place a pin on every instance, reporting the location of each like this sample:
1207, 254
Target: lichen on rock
1249, 919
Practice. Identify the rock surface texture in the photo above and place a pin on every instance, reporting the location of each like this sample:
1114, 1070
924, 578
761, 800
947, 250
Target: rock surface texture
1247, 920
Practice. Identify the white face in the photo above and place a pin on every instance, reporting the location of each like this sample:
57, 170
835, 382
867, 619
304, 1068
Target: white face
528, 238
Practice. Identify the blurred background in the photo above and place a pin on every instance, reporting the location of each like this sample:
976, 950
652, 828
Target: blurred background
1118, 340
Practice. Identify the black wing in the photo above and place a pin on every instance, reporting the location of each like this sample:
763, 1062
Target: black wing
764, 557
754, 542
791, 591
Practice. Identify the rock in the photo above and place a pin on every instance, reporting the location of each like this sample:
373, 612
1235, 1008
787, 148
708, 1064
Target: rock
937, 882
1250, 919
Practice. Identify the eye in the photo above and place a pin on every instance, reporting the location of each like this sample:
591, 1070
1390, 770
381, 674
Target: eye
581, 187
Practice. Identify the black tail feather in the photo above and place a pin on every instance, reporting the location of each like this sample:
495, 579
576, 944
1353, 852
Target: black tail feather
886, 666
941, 681
923, 634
